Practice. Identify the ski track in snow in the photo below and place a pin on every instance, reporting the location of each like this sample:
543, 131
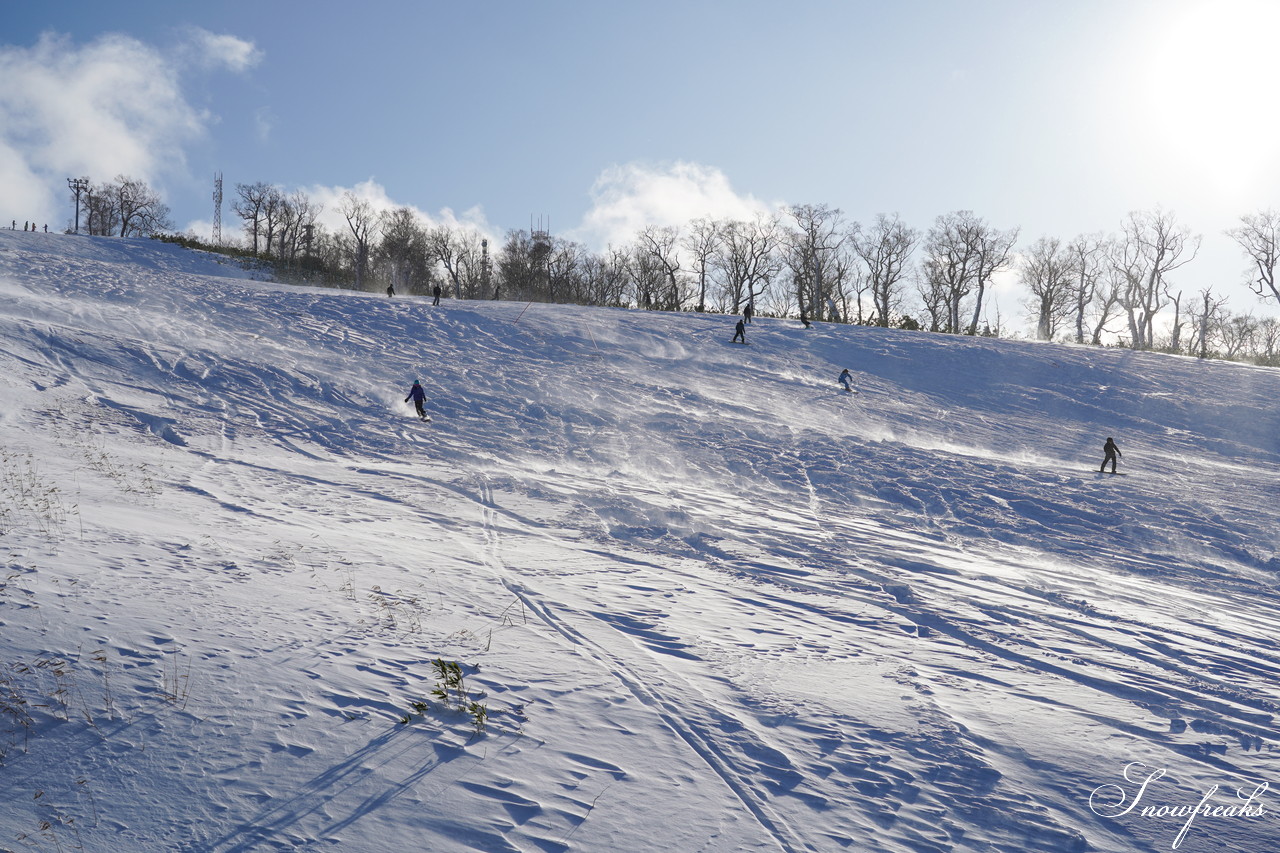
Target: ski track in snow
712, 602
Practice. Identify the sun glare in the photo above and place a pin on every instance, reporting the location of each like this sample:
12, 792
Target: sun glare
1208, 86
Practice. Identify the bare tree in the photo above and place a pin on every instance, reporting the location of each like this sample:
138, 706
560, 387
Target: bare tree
935, 286
361, 220
1151, 247
994, 253
701, 242
1179, 323
102, 217
1089, 262
1205, 319
127, 207
1237, 334
647, 277
517, 265
274, 213
660, 244
525, 268
1267, 342
605, 277
747, 261
950, 267
1106, 303
565, 270
472, 263
403, 248
249, 204
885, 249
1259, 236
1048, 272
297, 226
813, 253
449, 249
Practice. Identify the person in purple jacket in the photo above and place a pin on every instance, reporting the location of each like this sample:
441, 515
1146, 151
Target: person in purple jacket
419, 397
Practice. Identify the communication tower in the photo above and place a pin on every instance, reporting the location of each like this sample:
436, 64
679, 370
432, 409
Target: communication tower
541, 253
217, 209
541, 235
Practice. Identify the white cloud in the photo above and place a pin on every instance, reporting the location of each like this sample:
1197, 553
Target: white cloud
264, 121
225, 51
109, 107
629, 197
24, 191
330, 197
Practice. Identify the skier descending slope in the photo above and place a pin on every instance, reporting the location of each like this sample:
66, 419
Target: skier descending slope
419, 397
1110, 452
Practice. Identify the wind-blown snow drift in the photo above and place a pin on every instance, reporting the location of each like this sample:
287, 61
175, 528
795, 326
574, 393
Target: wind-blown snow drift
709, 601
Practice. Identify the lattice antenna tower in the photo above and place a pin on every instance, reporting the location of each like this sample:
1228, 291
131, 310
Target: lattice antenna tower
217, 209
542, 234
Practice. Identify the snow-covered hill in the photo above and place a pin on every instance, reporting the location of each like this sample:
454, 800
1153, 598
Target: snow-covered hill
707, 600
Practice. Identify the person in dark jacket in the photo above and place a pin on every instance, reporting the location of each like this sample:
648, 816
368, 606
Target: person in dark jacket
419, 397
435, 292
739, 333
748, 312
1111, 452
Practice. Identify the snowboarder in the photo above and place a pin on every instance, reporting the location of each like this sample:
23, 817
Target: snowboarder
739, 333
391, 290
435, 292
748, 312
846, 379
419, 397
1111, 452
804, 319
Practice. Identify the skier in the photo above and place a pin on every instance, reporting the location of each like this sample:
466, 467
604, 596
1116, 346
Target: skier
846, 379
1111, 452
419, 397
739, 332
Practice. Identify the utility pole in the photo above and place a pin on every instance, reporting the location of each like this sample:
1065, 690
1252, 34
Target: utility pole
78, 185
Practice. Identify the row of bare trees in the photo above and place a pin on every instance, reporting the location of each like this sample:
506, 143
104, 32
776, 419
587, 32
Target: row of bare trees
806, 261
123, 207
278, 225
1120, 283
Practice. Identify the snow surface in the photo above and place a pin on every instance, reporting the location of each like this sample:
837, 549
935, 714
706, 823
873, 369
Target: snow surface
710, 601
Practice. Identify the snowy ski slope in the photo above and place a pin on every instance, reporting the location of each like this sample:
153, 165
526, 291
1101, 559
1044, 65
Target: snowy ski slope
709, 601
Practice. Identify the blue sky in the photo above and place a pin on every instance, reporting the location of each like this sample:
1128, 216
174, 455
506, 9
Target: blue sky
1058, 118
